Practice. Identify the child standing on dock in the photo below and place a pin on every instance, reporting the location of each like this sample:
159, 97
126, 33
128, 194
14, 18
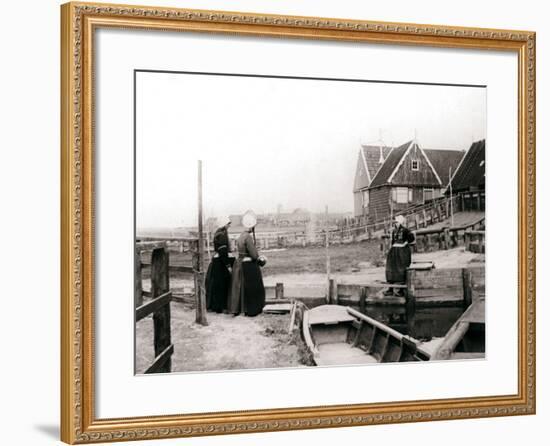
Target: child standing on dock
399, 256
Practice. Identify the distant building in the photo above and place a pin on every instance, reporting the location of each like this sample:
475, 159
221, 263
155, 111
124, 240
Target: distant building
469, 179
392, 179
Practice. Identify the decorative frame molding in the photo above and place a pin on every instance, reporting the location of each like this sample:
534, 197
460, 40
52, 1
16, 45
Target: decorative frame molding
78, 22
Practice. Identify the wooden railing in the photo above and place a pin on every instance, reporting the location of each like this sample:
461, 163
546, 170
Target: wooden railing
158, 305
427, 240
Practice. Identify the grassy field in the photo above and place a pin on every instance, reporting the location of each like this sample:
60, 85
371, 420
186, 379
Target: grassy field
311, 259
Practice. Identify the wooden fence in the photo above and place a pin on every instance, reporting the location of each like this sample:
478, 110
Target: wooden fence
158, 305
427, 240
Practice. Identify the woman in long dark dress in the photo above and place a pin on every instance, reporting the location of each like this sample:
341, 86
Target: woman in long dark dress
247, 285
218, 276
399, 255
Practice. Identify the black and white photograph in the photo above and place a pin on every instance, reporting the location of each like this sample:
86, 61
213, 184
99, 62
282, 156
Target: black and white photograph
286, 222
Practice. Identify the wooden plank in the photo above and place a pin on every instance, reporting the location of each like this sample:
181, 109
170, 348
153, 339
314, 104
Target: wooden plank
159, 364
153, 306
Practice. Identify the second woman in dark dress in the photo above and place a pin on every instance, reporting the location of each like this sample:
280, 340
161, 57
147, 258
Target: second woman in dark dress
247, 285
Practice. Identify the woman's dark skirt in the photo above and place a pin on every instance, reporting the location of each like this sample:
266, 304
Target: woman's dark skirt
247, 289
217, 284
397, 262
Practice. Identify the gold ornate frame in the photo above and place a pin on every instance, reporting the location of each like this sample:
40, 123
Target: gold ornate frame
78, 423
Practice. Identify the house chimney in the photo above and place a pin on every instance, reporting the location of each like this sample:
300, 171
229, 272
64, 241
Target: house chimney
381, 159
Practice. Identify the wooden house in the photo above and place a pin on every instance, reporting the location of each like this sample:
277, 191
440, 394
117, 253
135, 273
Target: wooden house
469, 179
409, 175
370, 158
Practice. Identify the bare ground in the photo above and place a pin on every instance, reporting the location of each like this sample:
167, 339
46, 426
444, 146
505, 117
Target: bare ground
227, 343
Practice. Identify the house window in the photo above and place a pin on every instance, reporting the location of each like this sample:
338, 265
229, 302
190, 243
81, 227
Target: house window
401, 194
415, 165
365, 198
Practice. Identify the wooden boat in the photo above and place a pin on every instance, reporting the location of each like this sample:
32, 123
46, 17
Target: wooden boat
466, 338
338, 335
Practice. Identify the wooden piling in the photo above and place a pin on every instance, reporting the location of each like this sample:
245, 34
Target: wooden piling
467, 286
411, 294
363, 300
332, 292
446, 238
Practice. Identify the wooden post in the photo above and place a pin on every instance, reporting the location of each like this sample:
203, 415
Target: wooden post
467, 240
411, 293
467, 286
363, 300
446, 238
424, 221
332, 292
138, 285
292, 317
279, 291
160, 284
199, 275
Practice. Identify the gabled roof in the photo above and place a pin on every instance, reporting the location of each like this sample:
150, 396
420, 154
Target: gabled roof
392, 161
443, 159
471, 171
371, 156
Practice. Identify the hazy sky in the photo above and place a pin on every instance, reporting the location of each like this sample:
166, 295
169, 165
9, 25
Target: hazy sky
267, 141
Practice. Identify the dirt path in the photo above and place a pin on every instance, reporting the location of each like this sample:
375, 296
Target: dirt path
227, 343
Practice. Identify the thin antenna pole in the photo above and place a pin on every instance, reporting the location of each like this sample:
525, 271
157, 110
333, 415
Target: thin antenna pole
451, 192
326, 251
199, 277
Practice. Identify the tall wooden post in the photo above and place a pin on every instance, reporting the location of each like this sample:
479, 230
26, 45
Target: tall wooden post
199, 282
160, 284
